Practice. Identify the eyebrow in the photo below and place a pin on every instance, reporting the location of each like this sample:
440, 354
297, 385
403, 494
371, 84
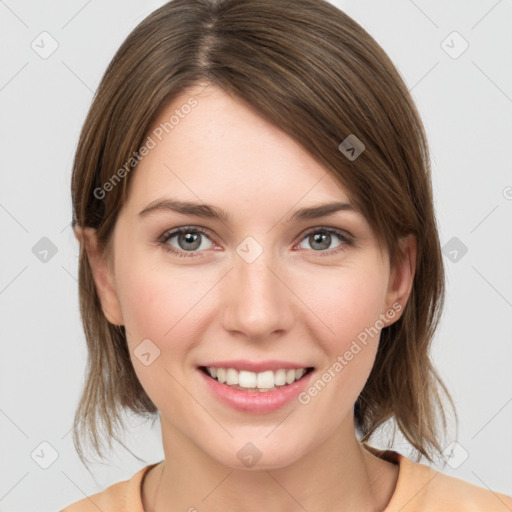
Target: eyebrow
213, 212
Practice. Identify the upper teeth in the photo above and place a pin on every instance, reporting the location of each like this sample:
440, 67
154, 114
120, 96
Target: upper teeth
262, 380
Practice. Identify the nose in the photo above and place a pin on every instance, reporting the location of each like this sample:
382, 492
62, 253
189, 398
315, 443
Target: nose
259, 303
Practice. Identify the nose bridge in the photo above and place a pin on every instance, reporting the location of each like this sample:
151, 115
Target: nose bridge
258, 302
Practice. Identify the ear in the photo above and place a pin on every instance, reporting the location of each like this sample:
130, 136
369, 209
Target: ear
401, 280
102, 274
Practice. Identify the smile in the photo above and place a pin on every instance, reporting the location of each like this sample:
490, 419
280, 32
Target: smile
244, 380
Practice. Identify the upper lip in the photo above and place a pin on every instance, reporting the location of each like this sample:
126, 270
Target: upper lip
256, 366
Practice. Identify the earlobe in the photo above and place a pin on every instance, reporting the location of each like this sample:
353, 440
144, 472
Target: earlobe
102, 274
402, 277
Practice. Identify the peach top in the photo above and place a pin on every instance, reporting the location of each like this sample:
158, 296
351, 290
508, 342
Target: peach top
419, 489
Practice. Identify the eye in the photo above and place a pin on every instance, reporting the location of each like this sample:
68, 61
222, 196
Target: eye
188, 240
321, 239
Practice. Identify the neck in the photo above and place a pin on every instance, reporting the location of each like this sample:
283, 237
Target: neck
339, 474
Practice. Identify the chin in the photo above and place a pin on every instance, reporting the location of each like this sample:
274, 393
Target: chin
259, 454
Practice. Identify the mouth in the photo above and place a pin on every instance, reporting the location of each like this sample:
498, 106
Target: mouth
258, 382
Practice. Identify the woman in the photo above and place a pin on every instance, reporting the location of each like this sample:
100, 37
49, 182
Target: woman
260, 266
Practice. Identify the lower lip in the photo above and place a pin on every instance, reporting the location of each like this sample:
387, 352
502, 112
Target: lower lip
256, 401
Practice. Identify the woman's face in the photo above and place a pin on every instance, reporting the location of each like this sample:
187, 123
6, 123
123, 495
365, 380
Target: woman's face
262, 285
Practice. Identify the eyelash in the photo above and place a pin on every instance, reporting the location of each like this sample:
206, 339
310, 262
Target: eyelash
347, 240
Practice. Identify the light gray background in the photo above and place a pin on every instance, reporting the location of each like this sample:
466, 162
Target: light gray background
466, 105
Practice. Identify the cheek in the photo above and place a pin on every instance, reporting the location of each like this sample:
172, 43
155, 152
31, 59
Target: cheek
161, 303
150, 299
346, 300
143, 300
154, 306
349, 305
159, 307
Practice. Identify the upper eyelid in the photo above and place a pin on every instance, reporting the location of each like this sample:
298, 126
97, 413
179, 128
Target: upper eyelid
170, 233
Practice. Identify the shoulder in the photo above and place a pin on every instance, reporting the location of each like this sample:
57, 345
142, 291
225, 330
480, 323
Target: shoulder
122, 496
106, 500
420, 488
424, 489
447, 493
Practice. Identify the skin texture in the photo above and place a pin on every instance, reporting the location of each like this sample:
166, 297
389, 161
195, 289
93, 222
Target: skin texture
298, 301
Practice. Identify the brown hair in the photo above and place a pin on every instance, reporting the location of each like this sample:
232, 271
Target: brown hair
319, 76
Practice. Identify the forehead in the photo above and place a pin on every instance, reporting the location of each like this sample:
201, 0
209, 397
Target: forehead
211, 147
